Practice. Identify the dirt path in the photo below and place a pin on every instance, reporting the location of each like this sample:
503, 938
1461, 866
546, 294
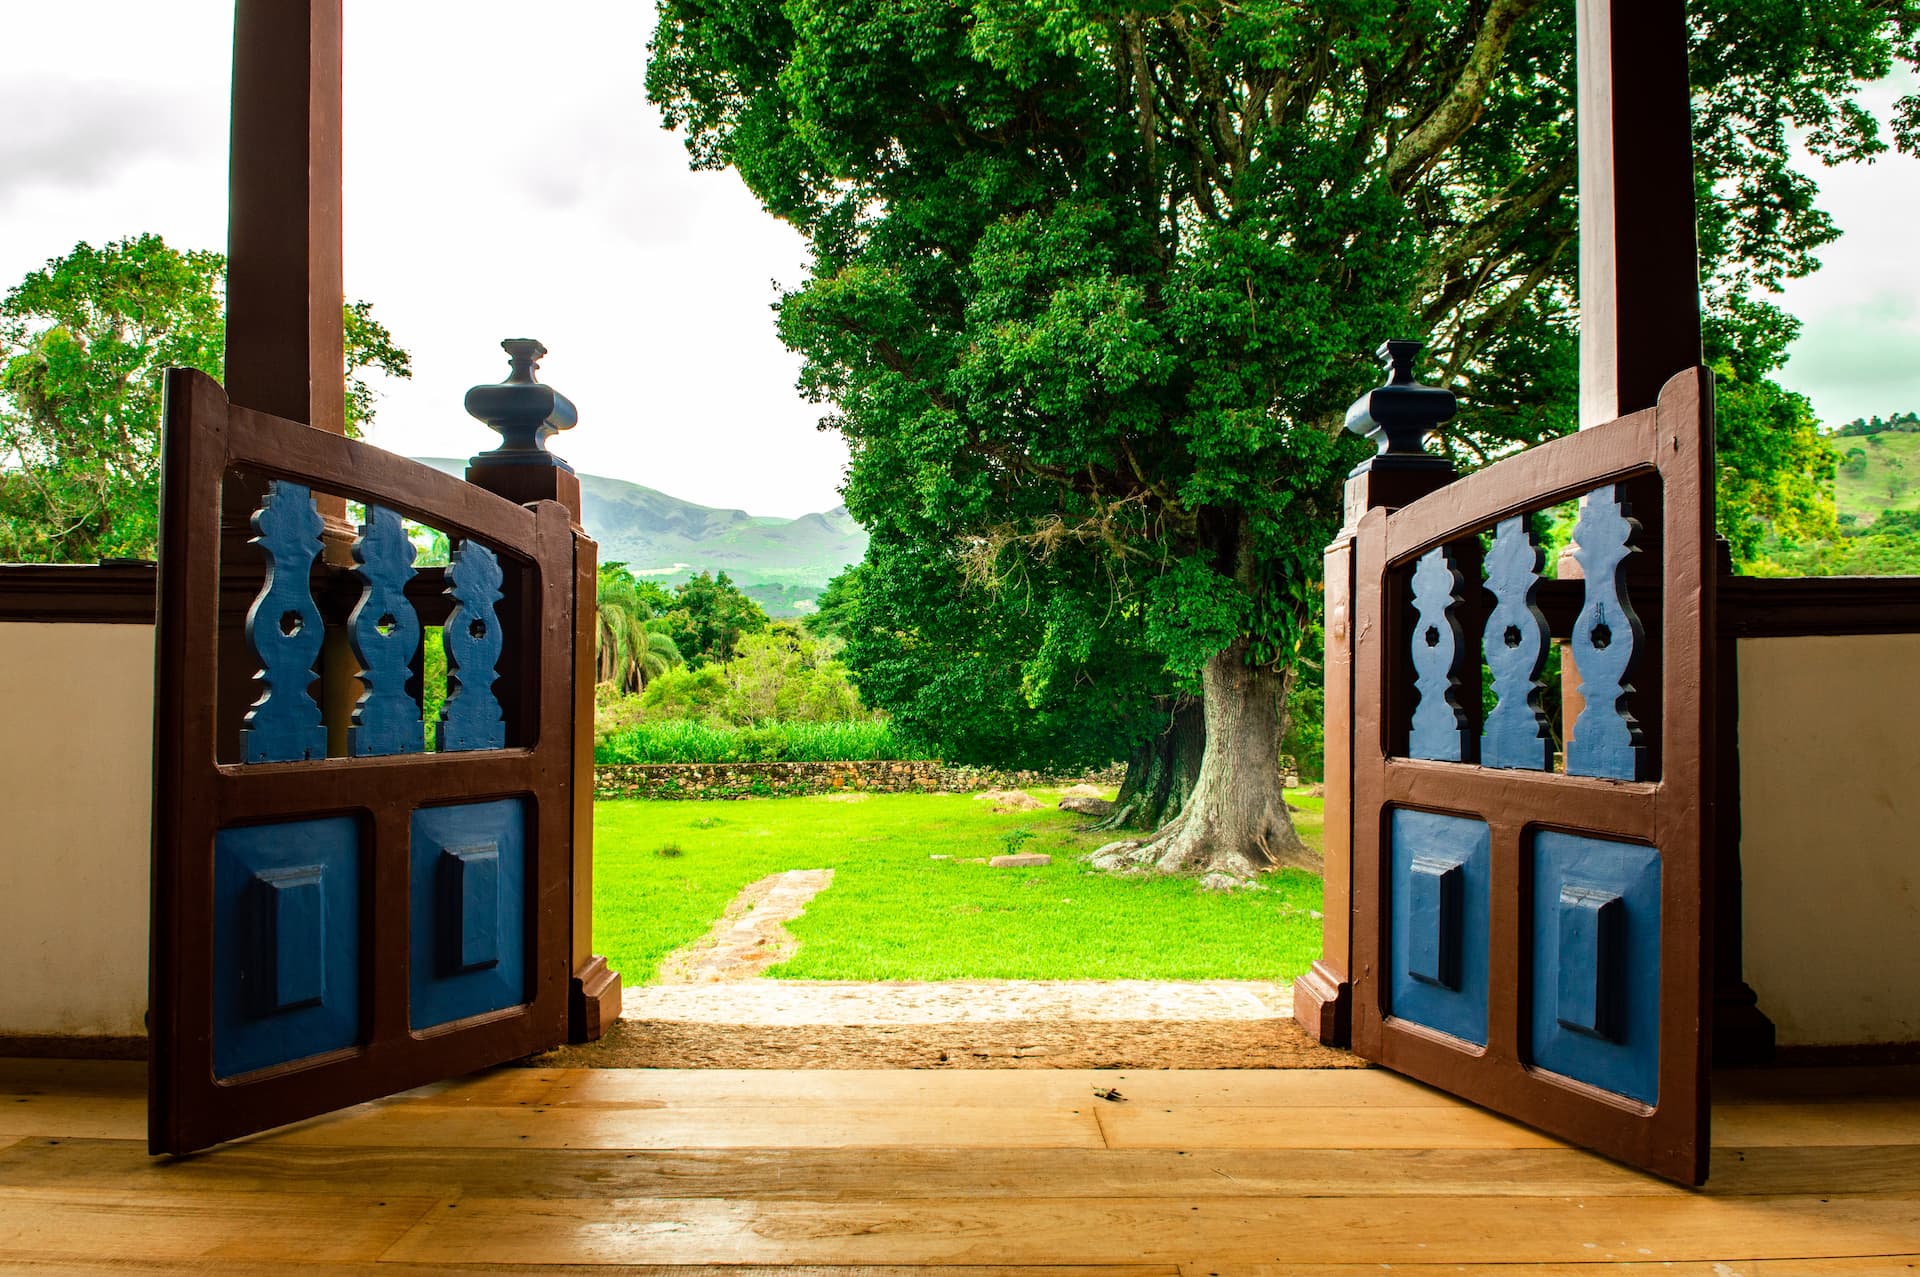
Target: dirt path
752, 934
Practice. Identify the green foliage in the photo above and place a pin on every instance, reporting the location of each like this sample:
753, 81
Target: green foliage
708, 617
1092, 286
693, 741
632, 647
83, 344
895, 913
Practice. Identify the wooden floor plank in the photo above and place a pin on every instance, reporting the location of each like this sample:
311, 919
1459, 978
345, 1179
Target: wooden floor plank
907, 1174
220, 1268
1832, 1122
1219, 1126
1039, 1230
817, 1126
256, 1227
1285, 1088
97, 1117
1860, 1266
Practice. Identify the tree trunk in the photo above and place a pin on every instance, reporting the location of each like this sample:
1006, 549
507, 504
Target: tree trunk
1235, 821
1161, 773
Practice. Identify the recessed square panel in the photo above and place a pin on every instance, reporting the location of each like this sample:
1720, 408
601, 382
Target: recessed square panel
1439, 882
286, 940
469, 911
1595, 1014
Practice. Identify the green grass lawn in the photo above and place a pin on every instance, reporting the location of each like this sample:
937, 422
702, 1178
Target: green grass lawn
664, 871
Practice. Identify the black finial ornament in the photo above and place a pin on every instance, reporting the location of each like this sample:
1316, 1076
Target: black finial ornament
525, 412
1398, 415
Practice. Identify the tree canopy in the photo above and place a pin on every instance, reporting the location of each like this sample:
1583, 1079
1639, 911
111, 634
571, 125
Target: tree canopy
1092, 285
83, 344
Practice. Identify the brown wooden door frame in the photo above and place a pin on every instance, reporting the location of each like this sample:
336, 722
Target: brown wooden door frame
206, 440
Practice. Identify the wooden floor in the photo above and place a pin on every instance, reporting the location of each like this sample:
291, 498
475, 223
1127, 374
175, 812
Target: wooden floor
1300, 1173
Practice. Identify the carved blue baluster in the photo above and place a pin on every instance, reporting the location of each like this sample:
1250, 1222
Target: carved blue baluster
1516, 733
285, 631
1439, 728
385, 632
1605, 741
471, 718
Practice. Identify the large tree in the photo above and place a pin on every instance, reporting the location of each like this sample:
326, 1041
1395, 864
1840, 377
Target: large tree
1094, 282
83, 344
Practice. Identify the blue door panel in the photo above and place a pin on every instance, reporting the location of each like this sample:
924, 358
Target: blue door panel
1596, 963
1440, 891
469, 911
286, 942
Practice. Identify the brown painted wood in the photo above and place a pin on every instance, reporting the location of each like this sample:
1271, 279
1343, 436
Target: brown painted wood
285, 354
1639, 261
78, 593
593, 991
1323, 996
206, 439
1674, 813
1793, 607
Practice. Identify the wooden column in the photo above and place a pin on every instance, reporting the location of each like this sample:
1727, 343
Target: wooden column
1397, 416
285, 347
527, 414
1639, 325
1639, 254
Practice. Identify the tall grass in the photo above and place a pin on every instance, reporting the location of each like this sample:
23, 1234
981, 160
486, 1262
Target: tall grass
689, 741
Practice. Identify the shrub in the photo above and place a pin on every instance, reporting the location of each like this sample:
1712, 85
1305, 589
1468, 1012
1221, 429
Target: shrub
688, 741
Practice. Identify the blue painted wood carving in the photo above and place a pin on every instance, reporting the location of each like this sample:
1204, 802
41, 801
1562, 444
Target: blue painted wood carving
1595, 1012
385, 632
1439, 728
468, 866
471, 718
290, 918
285, 631
1592, 961
1440, 896
469, 918
1605, 739
286, 942
1436, 886
1516, 732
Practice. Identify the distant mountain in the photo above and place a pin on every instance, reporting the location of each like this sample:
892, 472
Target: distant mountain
783, 564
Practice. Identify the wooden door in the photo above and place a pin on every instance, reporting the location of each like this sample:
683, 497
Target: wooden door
340, 912
1531, 933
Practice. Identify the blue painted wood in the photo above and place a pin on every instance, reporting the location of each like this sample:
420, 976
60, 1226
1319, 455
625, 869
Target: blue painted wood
1516, 733
292, 917
286, 942
445, 933
285, 631
1439, 729
1595, 1012
1592, 963
1438, 843
385, 632
469, 919
1436, 890
471, 718
1605, 740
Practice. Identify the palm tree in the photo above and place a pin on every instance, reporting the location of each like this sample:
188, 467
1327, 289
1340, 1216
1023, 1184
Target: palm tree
629, 648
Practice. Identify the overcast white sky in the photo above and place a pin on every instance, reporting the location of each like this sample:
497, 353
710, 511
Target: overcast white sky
506, 177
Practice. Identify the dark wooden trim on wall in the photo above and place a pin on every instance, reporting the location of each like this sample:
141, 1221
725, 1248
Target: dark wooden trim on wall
78, 593
1793, 607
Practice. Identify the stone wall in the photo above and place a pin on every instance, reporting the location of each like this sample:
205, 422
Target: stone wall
787, 780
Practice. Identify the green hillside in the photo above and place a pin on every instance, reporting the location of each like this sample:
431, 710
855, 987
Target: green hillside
782, 564
1885, 475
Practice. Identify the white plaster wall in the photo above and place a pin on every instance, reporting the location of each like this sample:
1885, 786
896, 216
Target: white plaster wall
1830, 843
76, 767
